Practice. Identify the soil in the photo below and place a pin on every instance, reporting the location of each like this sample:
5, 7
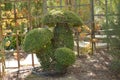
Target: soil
86, 67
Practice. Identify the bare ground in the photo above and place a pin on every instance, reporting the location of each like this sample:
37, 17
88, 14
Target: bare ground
95, 67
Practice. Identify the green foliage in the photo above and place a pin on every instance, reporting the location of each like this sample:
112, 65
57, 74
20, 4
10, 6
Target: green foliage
113, 39
12, 40
72, 19
59, 16
36, 10
62, 21
8, 6
1, 56
45, 57
115, 66
37, 39
113, 33
64, 58
63, 37
44, 43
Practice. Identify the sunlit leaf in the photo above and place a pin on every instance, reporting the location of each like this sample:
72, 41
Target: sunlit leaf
7, 43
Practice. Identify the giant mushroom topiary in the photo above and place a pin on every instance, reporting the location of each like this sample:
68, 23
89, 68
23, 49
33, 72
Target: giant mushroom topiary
62, 21
54, 50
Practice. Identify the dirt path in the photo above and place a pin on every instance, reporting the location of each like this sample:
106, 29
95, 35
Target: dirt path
93, 68
86, 68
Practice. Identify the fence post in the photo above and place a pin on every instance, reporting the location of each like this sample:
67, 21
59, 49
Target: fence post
92, 26
2, 68
106, 16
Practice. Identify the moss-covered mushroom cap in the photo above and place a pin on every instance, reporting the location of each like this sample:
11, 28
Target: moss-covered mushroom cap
59, 16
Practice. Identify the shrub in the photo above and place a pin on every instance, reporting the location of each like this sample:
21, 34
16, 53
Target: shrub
37, 39
64, 58
60, 16
62, 21
115, 66
63, 37
45, 58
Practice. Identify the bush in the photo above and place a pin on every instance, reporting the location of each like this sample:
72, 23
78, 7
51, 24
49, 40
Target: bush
60, 16
115, 66
46, 57
62, 21
63, 37
64, 58
37, 39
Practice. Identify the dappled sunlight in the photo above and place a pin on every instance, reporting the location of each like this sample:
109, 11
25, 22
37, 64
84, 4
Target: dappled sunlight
93, 67
91, 74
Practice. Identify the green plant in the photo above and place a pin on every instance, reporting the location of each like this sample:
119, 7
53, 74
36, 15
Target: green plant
62, 21
12, 40
39, 41
64, 58
46, 57
112, 31
63, 37
61, 16
115, 66
1, 56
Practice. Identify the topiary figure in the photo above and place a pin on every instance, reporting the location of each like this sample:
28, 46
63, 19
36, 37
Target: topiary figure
64, 58
60, 16
39, 41
63, 37
62, 21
